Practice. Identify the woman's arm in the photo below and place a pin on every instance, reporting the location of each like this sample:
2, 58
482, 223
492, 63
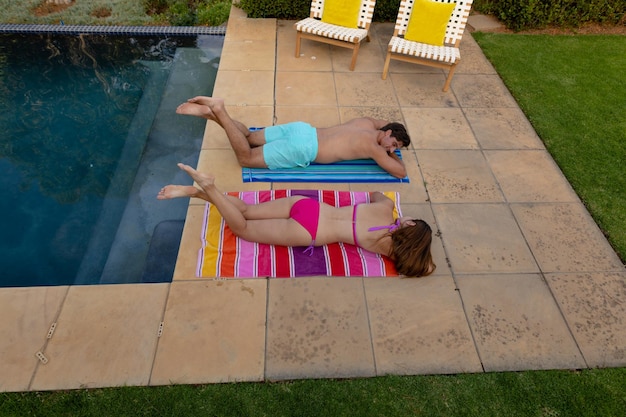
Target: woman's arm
378, 197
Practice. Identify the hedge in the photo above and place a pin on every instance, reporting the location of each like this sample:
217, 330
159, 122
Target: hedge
385, 11
514, 14
536, 14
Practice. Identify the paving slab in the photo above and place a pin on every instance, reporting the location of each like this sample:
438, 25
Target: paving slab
419, 327
517, 324
502, 128
439, 128
458, 176
529, 176
484, 23
592, 304
28, 315
314, 89
317, 328
105, 336
213, 331
483, 238
564, 238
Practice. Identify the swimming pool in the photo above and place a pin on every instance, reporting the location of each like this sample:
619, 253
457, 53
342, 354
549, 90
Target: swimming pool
89, 136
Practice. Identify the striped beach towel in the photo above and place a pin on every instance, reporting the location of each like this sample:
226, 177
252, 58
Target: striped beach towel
357, 170
223, 255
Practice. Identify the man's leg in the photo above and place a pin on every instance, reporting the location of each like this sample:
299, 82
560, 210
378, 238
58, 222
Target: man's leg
199, 106
246, 155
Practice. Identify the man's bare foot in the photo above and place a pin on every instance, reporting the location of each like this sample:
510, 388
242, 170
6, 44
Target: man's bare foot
195, 109
176, 191
212, 102
208, 101
205, 181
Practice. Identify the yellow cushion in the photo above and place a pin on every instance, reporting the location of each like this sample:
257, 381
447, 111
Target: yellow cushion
428, 22
342, 12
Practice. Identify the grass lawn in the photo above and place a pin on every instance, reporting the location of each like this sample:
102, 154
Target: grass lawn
572, 91
537, 394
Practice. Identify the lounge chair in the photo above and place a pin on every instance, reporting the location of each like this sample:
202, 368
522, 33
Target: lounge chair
429, 32
339, 23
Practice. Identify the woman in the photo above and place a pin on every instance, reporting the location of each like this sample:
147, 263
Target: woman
301, 221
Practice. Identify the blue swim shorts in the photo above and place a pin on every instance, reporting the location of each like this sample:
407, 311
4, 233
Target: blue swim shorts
290, 145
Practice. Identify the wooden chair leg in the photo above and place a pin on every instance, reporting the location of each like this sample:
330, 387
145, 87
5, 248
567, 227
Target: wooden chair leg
446, 86
386, 67
354, 56
298, 38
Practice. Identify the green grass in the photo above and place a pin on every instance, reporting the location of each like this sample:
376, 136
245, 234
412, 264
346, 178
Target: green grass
572, 91
537, 394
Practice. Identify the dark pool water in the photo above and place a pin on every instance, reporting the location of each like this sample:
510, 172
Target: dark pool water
79, 121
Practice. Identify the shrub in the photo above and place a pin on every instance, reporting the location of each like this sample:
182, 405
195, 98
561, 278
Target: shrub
153, 7
515, 14
180, 14
385, 11
535, 14
280, 9
213, 14
189, 12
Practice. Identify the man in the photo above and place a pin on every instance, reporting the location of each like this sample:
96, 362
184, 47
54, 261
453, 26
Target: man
298, 144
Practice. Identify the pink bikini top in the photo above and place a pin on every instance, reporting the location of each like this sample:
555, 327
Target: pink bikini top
390, 227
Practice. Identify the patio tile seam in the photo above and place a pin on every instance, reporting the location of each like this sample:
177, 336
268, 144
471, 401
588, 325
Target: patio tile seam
158, 336
369, 327
48, 338
453, 273
565, 320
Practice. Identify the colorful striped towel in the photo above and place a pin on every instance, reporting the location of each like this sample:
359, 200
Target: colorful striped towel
224, 255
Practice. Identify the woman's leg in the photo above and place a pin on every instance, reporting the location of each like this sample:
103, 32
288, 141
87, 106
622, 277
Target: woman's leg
189, 191
273, 209
268, 223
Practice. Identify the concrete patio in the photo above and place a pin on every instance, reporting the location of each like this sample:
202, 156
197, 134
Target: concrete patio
525, 279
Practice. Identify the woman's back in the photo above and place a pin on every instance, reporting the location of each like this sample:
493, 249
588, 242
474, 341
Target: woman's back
336, 225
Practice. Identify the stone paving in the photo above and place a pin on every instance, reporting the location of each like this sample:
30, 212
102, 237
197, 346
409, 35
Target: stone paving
525, 278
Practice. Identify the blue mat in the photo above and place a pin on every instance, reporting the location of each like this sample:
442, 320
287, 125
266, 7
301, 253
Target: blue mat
358, 170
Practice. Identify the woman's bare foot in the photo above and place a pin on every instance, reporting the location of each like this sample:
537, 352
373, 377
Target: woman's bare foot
205, 181
176, 191
195, 109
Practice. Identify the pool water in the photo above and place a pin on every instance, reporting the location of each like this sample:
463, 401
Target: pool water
89, 135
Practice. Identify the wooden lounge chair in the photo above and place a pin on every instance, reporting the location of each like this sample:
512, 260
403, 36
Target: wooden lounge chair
430, 43
337, 23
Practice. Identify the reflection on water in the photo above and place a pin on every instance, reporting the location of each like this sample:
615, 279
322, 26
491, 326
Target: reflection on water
66, 106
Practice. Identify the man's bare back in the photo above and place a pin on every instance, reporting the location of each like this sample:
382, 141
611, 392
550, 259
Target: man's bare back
351, 140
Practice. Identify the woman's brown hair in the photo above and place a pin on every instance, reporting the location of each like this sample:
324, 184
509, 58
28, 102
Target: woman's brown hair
410, 250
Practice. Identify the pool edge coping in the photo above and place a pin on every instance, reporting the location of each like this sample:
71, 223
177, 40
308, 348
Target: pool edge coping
61, 29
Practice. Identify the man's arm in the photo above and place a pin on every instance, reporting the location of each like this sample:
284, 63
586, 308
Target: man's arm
388, 161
